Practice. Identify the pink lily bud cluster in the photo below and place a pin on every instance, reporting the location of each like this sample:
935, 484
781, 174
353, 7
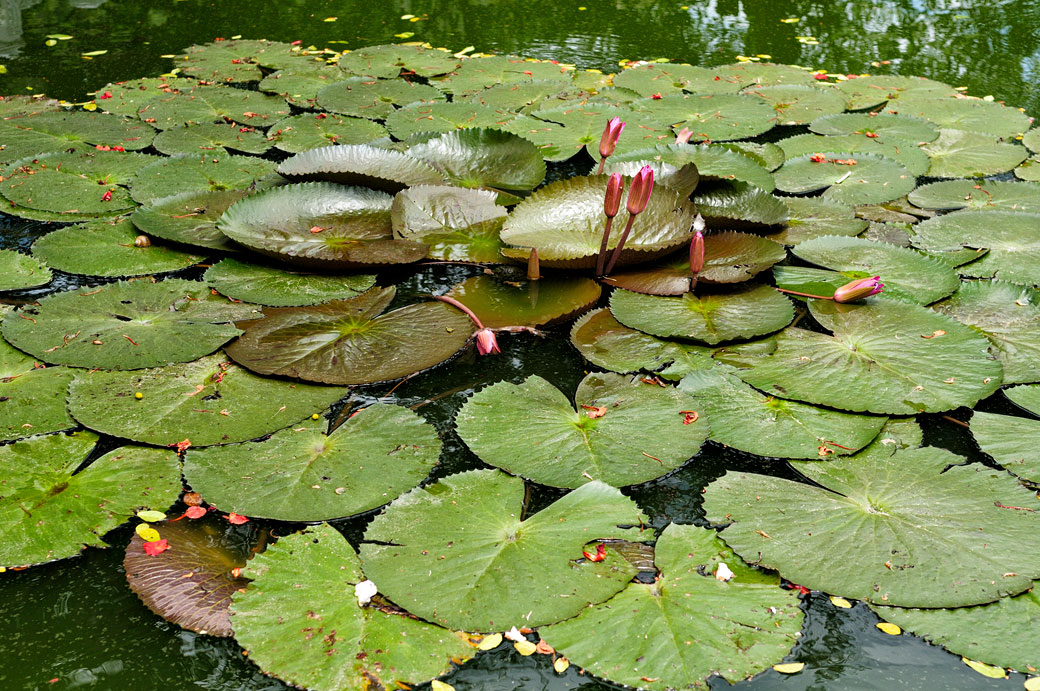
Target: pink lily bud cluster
638, 197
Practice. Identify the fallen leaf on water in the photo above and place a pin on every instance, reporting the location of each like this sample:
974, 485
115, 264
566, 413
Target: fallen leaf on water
405, 34
594, 411
155, 548
490, 642
840, 602
195, 512
985, 670
147, 533
236, 519
544, 648
601, 553
151, 516
1032, 684
561, 664
525, 647
514, 635
93, 53
890, 629
789, 667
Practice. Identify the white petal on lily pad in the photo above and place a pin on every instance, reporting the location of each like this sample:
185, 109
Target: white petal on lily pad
723, 572
364, 591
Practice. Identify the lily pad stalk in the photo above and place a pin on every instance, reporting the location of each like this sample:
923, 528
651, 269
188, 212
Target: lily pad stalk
638, 197
485, 337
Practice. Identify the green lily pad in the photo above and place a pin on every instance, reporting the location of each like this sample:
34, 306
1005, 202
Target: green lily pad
1009, 316
444, 117
483, 158
32, 399
319, 225
236, 60
52, 512
667, 78
298, 133
216, 172
873, 180
1025, 397
208, 401
475, 74
47, 131
293, 631
960, 154
189, 218
531, 303
683, 180
300, 84
553, 141
19, 271
714, 163
874, 90
126, 325
206, 104
302, 474
976, 195
564, 220
350, 342
813, 217
130, 96
1031, 140
799, 104
103, 248
360, 164
268, 285
766, 154
886, 356
522, 97
987, 118
643, 637
1013, 240
437, 209
902, 151
882, 126
740, 205
582, 126
712, 117
1011, 441
711, 319
763, 74
190, 584
207, 137
751, 421
607, 343
907, 275
390, 60
475, 517
803, 279
1029, 170
896, 530
642, 433
365, 97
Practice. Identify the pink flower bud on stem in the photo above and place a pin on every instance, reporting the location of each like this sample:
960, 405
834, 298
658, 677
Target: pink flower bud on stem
855, 290
608, 140
485, 337
638, 198
611, 204
696, 250
683, 136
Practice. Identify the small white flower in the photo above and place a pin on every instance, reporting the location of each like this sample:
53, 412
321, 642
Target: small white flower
722, 572
364, 592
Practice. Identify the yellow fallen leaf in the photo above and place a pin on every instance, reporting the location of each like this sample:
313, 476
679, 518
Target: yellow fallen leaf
561, 664
490, 642
438, 685
407, 16
1032, 684
147, 533
331, 19
984, 669
60, 37
93, 53
840, 602
405, 34
151, 516
789, 667
790, 20
890, 629
3, 69
50, 42
90, 106
525, 647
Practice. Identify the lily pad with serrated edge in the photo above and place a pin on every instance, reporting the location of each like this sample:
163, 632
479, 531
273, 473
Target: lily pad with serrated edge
874, 90
126, 98
812, 217
564, 220
267, 285
32, 399
47, 131
886, 357
474, 518
872, 180
207, 104
208, 137
319, 225
208, 401
424, 209
987, 118
415, 118
300, 84
902, 151
751, 421
298, 133
583, 126
1011, 442
798, 104
763, 74
474, 74
1013, 240
481, 157
302, 474
1009, 316
126, 325
903, 530
390, 60
529, 303
714, 163
960, 154
360, 164
285, 620
977, 195
553, 141
103, 248
49, 511
642, 433
738, 205
189, 218
19, 271
907, 274
190, 584
349, 342
235, 60
1025, 397
712, 117
607, 343
643, 637
214, 172
766, 154
365, 97
1029, 170
880, 125
748, 312
666, 78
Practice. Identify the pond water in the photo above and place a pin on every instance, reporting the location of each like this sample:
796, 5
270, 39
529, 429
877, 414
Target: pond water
75, 624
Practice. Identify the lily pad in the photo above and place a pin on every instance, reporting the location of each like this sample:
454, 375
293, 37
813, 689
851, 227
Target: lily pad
19, 271
902, 530
713, 117
522, 97
365, 97
479, 73
763, 74
902, 151
668, 78
987, 118
644, 636
209, 401
189, 218
872, 180
874, 90
44, 131
766, 154
813, 217
209, 137
52, 512
350, 342
960, 154
740, 205
1011, 442
583, 126
1013, 240
103, 248
798, 104
977, 195
206, 104
267, 285
683, 180
444, 117
215, 172
294, 631
302, 474
751, 421
300, 84
32, 399
714, 163
886, 356
475, 517
1029, 170
190, 584
642, 433
235, 60
882, 126
390, 60
126, 98
530, 303
425, 209
126, 325
360, 164
298, 133
483, 158
746, 313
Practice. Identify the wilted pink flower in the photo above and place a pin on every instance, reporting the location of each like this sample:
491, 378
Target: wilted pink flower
486, 342
608, 140
639, 193
856, 290
612, 200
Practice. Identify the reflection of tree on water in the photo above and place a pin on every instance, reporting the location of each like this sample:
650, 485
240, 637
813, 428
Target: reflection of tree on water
11, 41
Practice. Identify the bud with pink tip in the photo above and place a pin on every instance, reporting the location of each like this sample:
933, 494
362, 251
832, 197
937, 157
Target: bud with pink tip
683, 136
858, 289
608, 140
639, 193
697, 250
611, 205
486, 342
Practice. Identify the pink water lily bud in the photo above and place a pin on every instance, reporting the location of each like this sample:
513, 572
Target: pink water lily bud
639, 193
683, 136
608, 140
612, 200
696, 253
486, 343
858, 289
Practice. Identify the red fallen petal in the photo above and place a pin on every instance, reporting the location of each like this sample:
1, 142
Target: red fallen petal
656, 97
107, 196
157, 547
600, 555
195, 512
817, 158
107, 94
819, 76
236, 519
295, 43
118, 148
181, 446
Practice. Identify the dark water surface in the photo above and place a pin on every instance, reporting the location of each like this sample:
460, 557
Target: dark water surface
75, 624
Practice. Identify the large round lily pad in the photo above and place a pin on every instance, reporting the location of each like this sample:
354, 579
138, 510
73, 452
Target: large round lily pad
798, 104
18, 271
215, 172
876, 125
714, 163
205, 104
522, 97
298, 133
988, 118
473, 519
189, 218
126, 98
417, 118
903, 151
713, 117
894, 530
266, 285
365, 97
740, 205
872, 179
209, 137
686, 626
478, 73
300, 84
812, 217
35, 133
48, 511
620, 432
390, 60
302, 474
209, 401
442, 210
479, 157
32, 399
886, 356
126, 325
960, 154
1012, 238
529, 303
293, 630
874, 90
236, 60
665, 78
350, 342
977, 195
360, 164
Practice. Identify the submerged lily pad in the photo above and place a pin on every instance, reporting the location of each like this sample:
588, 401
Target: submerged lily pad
643, 637
365, 97
19, 271
189, 218
294, 631
350, 342
215, 172
642, 434
872, 180
209, 401
901, 530
1012, 238
32, 399
812, 217
882, 126
475, 517
391, 60
530, 303
959, 154
267, 285
50, 512
126, 325
483, 158
977, 195
209, 137
298, 133
302, 474
360, 164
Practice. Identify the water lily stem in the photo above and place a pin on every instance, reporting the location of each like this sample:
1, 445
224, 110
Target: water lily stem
806, 295
602, 258
620, 244
455, 303
602, 162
